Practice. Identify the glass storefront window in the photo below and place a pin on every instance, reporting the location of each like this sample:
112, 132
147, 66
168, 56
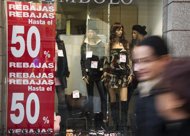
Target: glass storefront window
92, 60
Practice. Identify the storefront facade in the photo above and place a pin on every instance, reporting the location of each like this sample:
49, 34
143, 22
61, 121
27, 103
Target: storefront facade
167, 18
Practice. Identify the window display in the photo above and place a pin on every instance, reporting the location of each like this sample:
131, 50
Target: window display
86, 53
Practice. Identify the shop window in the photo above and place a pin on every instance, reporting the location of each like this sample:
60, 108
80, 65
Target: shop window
85, 29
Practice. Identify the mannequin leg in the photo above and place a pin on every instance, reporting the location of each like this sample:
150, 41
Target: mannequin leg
89, 107
115, 114
62, 106
124, 109
103, 98
114, 105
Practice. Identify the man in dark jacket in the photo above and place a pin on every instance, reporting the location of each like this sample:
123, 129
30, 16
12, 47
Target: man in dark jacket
150, 57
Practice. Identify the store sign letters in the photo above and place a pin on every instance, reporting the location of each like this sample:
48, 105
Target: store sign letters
31, 42
127, 2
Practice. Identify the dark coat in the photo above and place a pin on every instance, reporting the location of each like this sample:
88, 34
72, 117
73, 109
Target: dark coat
62, 65
98, 55
177, 128
142, 117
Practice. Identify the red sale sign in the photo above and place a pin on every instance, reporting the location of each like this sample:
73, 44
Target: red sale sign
31, 43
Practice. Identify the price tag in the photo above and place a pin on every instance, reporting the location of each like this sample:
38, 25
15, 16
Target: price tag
122, 58
94, 64
89, 54
60, 53
76, 94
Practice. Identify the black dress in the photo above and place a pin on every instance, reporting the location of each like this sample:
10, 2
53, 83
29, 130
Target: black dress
119, 68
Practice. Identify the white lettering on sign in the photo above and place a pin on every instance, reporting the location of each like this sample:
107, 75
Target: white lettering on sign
16, 104
31, 7
31, 131
126, 2
30, 65
35, 15
13, 81
18, 38
30, 75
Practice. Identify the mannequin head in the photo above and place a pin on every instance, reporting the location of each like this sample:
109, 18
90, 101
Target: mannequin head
138, 32
91, 34
92, 30
117, 31
117, 35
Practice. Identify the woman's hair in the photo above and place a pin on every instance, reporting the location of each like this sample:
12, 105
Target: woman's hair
176, 79
113, 36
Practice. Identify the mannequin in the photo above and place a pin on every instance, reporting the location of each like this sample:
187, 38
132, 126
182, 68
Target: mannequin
61, 74
92, 58
120, 75
138, 34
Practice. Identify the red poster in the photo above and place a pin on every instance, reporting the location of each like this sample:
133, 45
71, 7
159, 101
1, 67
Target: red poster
31, 42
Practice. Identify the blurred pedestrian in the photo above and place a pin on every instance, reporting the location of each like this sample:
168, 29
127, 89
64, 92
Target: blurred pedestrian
149, 57
173, 98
